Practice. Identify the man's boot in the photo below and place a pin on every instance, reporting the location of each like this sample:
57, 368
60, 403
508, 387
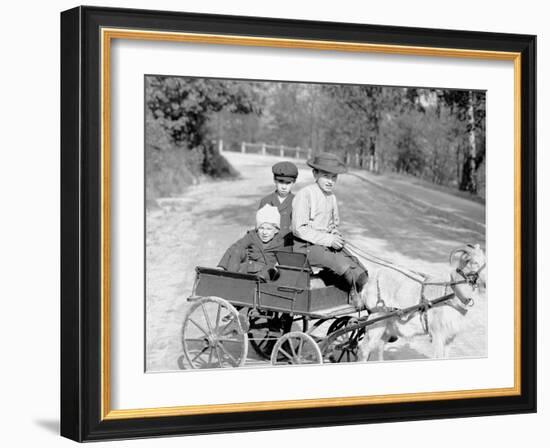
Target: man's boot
356, 279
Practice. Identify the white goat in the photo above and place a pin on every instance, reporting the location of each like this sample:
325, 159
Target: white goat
389, 289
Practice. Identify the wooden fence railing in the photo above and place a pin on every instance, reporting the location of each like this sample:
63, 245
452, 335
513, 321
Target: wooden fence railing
366, 162
265, 149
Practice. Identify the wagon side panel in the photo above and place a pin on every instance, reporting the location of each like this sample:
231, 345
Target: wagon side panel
328, 297
289, 293
237, 289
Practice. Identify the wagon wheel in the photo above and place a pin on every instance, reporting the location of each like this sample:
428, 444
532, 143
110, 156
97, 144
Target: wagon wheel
213, 336
296, 348
343, 348
268, 326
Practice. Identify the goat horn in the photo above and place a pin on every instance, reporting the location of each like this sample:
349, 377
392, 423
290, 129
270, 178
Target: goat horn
462, 249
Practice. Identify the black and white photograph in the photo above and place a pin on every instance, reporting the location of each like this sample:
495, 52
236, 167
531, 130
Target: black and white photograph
248, 224
292, 223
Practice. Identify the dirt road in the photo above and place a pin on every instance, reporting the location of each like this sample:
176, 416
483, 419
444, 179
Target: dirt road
195, 229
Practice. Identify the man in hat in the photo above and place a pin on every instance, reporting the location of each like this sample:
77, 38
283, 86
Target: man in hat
284, 177
315, 224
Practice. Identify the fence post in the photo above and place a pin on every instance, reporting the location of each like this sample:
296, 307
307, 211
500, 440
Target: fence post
263, 149
309, 153
220, 145
281, 151
243, 147
298, 152
357, 160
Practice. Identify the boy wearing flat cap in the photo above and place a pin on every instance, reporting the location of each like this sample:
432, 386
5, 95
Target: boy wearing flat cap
284, 176
254, 253
315, 224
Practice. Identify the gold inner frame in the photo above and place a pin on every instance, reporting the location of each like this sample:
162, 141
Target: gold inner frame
107, 35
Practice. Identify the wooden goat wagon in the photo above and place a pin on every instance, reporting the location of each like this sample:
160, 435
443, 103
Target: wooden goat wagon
230, 310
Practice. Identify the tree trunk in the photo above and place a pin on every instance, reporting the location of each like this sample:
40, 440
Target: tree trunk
469, 175
458, 164
214, 164
372, 152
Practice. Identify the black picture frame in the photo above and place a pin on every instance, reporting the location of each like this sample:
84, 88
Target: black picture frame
82, 407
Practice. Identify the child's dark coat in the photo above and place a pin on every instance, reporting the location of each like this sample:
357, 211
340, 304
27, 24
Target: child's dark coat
251, 256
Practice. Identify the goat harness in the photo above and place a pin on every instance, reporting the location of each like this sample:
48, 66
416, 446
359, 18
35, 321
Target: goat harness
405, 315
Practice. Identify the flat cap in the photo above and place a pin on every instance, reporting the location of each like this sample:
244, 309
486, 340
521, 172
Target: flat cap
285, 171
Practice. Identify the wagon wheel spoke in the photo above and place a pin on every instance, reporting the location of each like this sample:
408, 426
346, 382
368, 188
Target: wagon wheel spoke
220, 361
198, 326
300, 347
262, 343
235, 340
218, 316
290, 343
284, 352
229, 355
210, 357
341, 356
199, 354
206, 318
224, 329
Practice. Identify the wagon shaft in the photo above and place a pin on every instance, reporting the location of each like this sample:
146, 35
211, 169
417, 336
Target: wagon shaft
364, 322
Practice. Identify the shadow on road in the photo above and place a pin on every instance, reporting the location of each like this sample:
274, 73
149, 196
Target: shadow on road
404, 352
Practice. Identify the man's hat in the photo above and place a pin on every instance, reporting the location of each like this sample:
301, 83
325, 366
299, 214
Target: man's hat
285, 171
325, 161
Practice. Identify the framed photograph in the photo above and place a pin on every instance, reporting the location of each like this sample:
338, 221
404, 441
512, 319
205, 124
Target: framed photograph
278, 224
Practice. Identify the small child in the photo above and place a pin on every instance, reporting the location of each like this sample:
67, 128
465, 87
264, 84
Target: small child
284, 176
255, 252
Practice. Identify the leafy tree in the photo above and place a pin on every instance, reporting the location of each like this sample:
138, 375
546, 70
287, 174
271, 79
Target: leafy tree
183, 107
